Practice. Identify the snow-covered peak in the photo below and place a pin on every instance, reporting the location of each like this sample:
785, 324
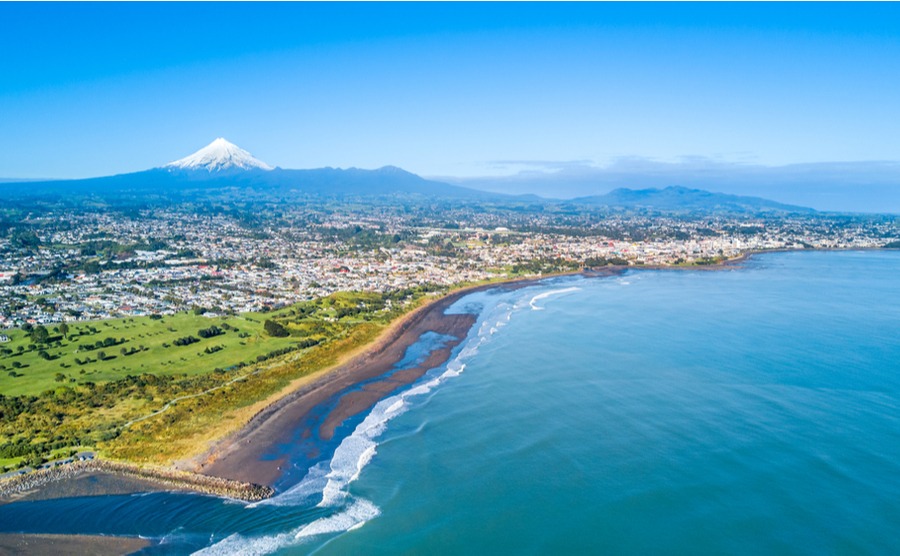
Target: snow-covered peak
217, 156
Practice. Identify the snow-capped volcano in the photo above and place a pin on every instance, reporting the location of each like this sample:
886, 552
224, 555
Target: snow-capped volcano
218, 156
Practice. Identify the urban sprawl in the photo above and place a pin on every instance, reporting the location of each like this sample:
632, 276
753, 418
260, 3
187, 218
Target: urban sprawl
85, 265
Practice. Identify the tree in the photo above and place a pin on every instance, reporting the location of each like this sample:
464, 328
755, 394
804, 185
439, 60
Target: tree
275, 329
64, 330
40, 334
101, 355
25, 239
92, 267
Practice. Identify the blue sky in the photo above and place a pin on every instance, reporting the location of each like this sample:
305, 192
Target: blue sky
446, 90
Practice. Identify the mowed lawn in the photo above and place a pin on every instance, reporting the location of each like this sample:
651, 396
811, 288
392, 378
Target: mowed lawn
33, 374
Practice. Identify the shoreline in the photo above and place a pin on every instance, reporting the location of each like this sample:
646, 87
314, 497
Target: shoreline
242, 455
190, 476
138, 479
237, 459
246, 454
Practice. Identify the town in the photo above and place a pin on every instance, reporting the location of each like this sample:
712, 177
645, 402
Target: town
66, 265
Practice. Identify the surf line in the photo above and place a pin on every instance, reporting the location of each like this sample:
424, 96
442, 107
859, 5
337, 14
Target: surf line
545, 295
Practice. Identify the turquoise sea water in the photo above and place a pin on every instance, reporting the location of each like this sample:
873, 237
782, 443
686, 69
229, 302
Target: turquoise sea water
755, 410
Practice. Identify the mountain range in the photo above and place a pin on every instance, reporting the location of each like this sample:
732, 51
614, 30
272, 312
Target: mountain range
222, 167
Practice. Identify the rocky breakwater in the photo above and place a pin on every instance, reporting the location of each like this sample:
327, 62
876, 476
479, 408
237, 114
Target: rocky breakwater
165, 478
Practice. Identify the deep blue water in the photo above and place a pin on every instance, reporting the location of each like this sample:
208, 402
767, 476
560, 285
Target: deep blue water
755, 410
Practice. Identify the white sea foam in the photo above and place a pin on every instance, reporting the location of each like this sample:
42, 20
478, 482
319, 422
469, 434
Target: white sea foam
355, 516
249, 546
311, 486
538, 297
396, 406
358, 449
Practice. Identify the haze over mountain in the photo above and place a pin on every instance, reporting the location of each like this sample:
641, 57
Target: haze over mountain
676, 198
872, 186
223, 168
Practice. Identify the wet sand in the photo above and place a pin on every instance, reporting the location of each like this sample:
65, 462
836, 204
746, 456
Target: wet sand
54, 545
356, 402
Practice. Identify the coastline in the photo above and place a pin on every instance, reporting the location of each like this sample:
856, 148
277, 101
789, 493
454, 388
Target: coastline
194, 475
102, 477
544, 286
237, 459
245, 455
242, 455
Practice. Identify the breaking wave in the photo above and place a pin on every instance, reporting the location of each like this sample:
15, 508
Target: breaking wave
538, 297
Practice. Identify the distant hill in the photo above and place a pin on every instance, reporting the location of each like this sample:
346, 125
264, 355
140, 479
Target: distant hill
683, 199
222, 166
277, 182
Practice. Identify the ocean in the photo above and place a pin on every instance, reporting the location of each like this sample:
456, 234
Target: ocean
743, 411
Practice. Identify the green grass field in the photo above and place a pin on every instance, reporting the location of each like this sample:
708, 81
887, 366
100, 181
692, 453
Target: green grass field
147, 337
